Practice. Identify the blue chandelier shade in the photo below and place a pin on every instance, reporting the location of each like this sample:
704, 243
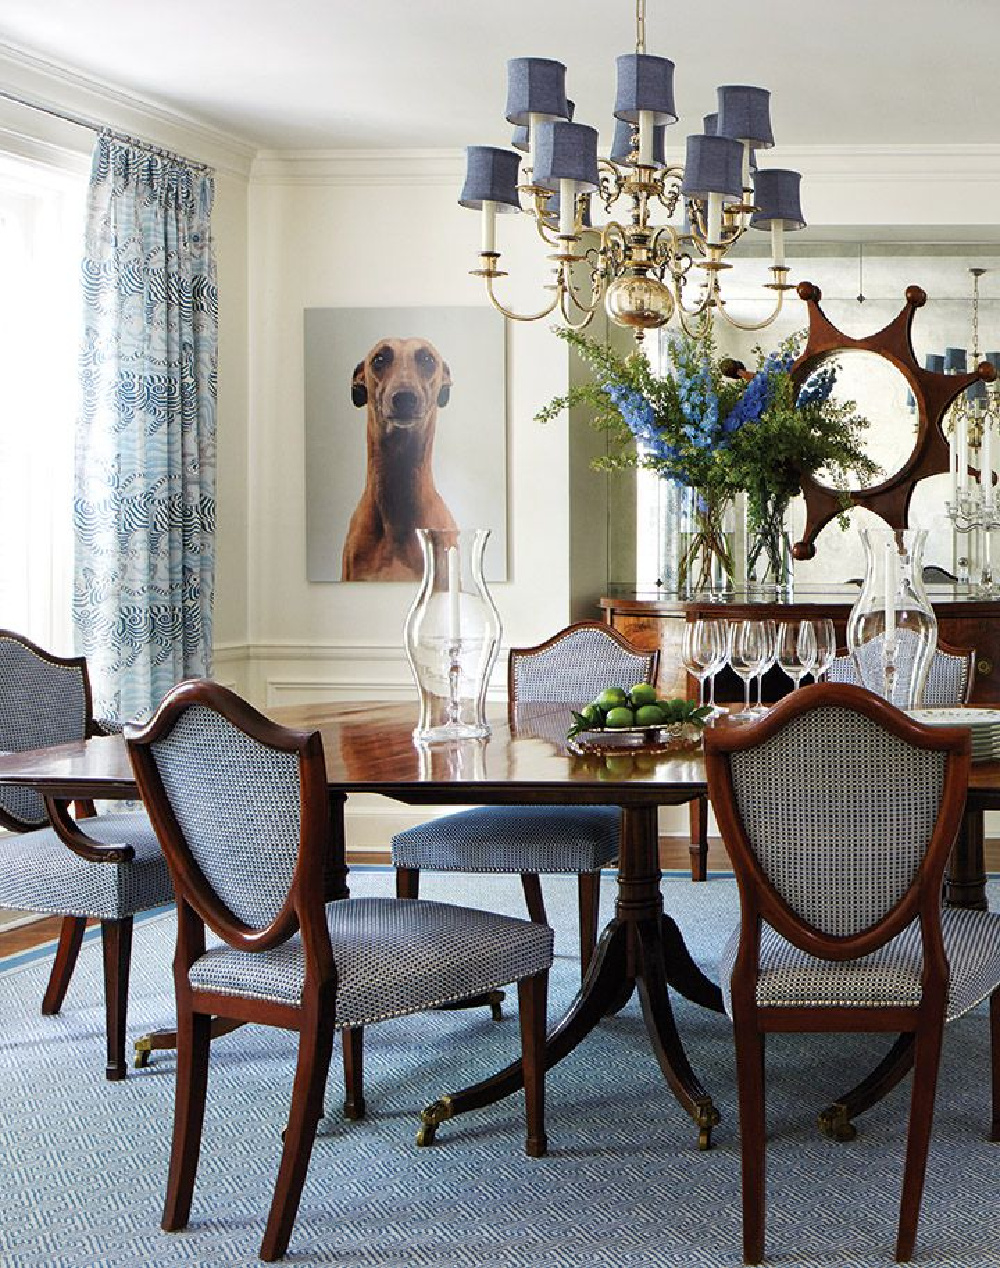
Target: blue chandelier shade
934, 362
776, 199
954, 361
566, 151
535, 85
622, 147
491, 176
977, 392
745, 115
714, 165
645, 83
994, 359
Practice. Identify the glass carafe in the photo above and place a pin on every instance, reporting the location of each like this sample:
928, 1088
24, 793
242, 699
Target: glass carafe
892, 629
452, 636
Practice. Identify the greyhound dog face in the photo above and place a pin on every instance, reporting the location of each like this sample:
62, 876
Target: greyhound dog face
403, 382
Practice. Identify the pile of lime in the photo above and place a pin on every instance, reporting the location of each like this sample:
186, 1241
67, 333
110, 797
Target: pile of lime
615, 709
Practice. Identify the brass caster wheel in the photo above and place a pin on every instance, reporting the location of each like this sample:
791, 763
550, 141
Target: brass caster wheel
355, 1111
706, 1118
143, 1048
431, 1119
835, 1124
495, 999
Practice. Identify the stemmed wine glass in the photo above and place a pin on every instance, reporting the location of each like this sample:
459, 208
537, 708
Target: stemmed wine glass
747, 656
770, 635
699, 651
826, 647
720, 644
796, 649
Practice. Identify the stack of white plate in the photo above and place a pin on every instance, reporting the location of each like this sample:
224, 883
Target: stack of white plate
984, 724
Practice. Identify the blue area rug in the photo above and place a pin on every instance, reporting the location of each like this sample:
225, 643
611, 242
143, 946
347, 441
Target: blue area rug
84, 1161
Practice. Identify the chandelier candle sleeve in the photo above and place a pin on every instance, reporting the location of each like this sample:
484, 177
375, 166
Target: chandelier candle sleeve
454, 597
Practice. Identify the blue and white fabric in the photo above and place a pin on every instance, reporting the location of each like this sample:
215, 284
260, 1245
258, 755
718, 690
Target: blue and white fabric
144, 500
393, 956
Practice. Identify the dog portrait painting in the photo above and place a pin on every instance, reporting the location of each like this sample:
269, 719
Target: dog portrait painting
405, 429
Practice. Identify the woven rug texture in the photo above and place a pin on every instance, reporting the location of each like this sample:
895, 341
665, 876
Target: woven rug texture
84, 1161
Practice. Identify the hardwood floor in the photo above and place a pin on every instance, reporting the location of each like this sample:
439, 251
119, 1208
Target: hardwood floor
673, 857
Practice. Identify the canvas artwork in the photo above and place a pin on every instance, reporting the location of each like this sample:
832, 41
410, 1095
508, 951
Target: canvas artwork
406, 427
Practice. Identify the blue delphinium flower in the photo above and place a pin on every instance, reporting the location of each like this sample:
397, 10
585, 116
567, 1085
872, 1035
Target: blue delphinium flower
817, 387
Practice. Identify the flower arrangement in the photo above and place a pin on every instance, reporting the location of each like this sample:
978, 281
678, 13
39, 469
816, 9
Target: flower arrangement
715, 426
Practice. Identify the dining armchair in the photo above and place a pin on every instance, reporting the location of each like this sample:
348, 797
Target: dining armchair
838, 813
949, 677
241, 808
48, 863
571, 668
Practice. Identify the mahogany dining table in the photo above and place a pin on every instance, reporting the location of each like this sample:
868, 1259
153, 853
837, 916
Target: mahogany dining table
369, 748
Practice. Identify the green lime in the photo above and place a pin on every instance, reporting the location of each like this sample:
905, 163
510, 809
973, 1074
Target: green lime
618, 767
594, 714
611, 698
650, 715
619, 717
642, 693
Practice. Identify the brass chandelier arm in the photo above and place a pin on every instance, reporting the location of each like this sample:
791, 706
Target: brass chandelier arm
756, 325
509, 312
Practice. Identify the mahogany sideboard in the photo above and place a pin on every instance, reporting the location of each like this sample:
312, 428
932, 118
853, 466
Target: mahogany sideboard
655, 619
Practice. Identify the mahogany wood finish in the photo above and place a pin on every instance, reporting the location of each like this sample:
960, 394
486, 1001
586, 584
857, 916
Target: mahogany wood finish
759, 901
933, 393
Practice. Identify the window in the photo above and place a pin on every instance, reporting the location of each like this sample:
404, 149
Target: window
41, 238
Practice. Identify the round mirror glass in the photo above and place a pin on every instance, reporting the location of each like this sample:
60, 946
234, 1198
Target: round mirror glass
881, 395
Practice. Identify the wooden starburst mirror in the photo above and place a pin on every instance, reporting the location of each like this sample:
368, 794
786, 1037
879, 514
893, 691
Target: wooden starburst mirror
932, 392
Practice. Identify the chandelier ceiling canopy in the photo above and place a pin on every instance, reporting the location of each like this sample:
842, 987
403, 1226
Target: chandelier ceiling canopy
642, 272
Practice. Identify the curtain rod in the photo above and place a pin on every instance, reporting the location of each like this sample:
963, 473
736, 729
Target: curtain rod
82, 122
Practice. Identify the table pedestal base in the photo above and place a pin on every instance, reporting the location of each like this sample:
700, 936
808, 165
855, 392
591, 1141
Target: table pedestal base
641, 947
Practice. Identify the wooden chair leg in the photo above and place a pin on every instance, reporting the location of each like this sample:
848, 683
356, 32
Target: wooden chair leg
116, 940
927, 1057
193, 1046
995, 1062
589, 893
407, 882
352, 1038
532, 994
70, 939
315, 1049
533, 900
750, 1082
698, 849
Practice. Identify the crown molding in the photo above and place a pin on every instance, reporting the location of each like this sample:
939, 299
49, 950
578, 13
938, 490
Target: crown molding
359, 167
52, 86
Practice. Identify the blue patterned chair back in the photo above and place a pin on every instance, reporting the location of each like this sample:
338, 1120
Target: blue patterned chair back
949, 678
839, 813
237, 803
43, 700
576, 665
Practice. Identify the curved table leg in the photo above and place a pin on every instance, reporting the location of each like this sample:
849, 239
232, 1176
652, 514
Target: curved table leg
659, 1018
835, 1120
600, 988
681, 971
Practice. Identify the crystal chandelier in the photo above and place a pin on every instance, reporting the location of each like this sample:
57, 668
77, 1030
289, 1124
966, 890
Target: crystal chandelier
643, 273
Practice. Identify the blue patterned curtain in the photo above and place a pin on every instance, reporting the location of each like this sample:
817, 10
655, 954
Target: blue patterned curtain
144, 511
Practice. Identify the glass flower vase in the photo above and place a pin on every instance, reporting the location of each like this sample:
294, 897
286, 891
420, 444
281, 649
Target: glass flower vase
708, 532
452, 636
769, 554
892, 629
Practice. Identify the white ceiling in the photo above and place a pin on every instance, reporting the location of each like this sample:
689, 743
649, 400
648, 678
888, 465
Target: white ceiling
375, 74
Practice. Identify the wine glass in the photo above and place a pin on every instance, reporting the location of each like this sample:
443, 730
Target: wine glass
698, 652
719, 634
770, 635
747, 656
796, 649
826, 647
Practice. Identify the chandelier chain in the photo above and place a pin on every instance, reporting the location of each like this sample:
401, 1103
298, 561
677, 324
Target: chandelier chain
640, 26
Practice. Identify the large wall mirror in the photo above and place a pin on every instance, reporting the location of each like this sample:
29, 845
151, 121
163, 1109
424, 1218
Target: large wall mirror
879, 274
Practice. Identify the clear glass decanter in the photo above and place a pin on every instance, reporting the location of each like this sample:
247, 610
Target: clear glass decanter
892, 629
452, 636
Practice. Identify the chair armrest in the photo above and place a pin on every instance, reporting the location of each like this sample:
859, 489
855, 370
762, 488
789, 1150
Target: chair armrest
106, 726
67, 830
